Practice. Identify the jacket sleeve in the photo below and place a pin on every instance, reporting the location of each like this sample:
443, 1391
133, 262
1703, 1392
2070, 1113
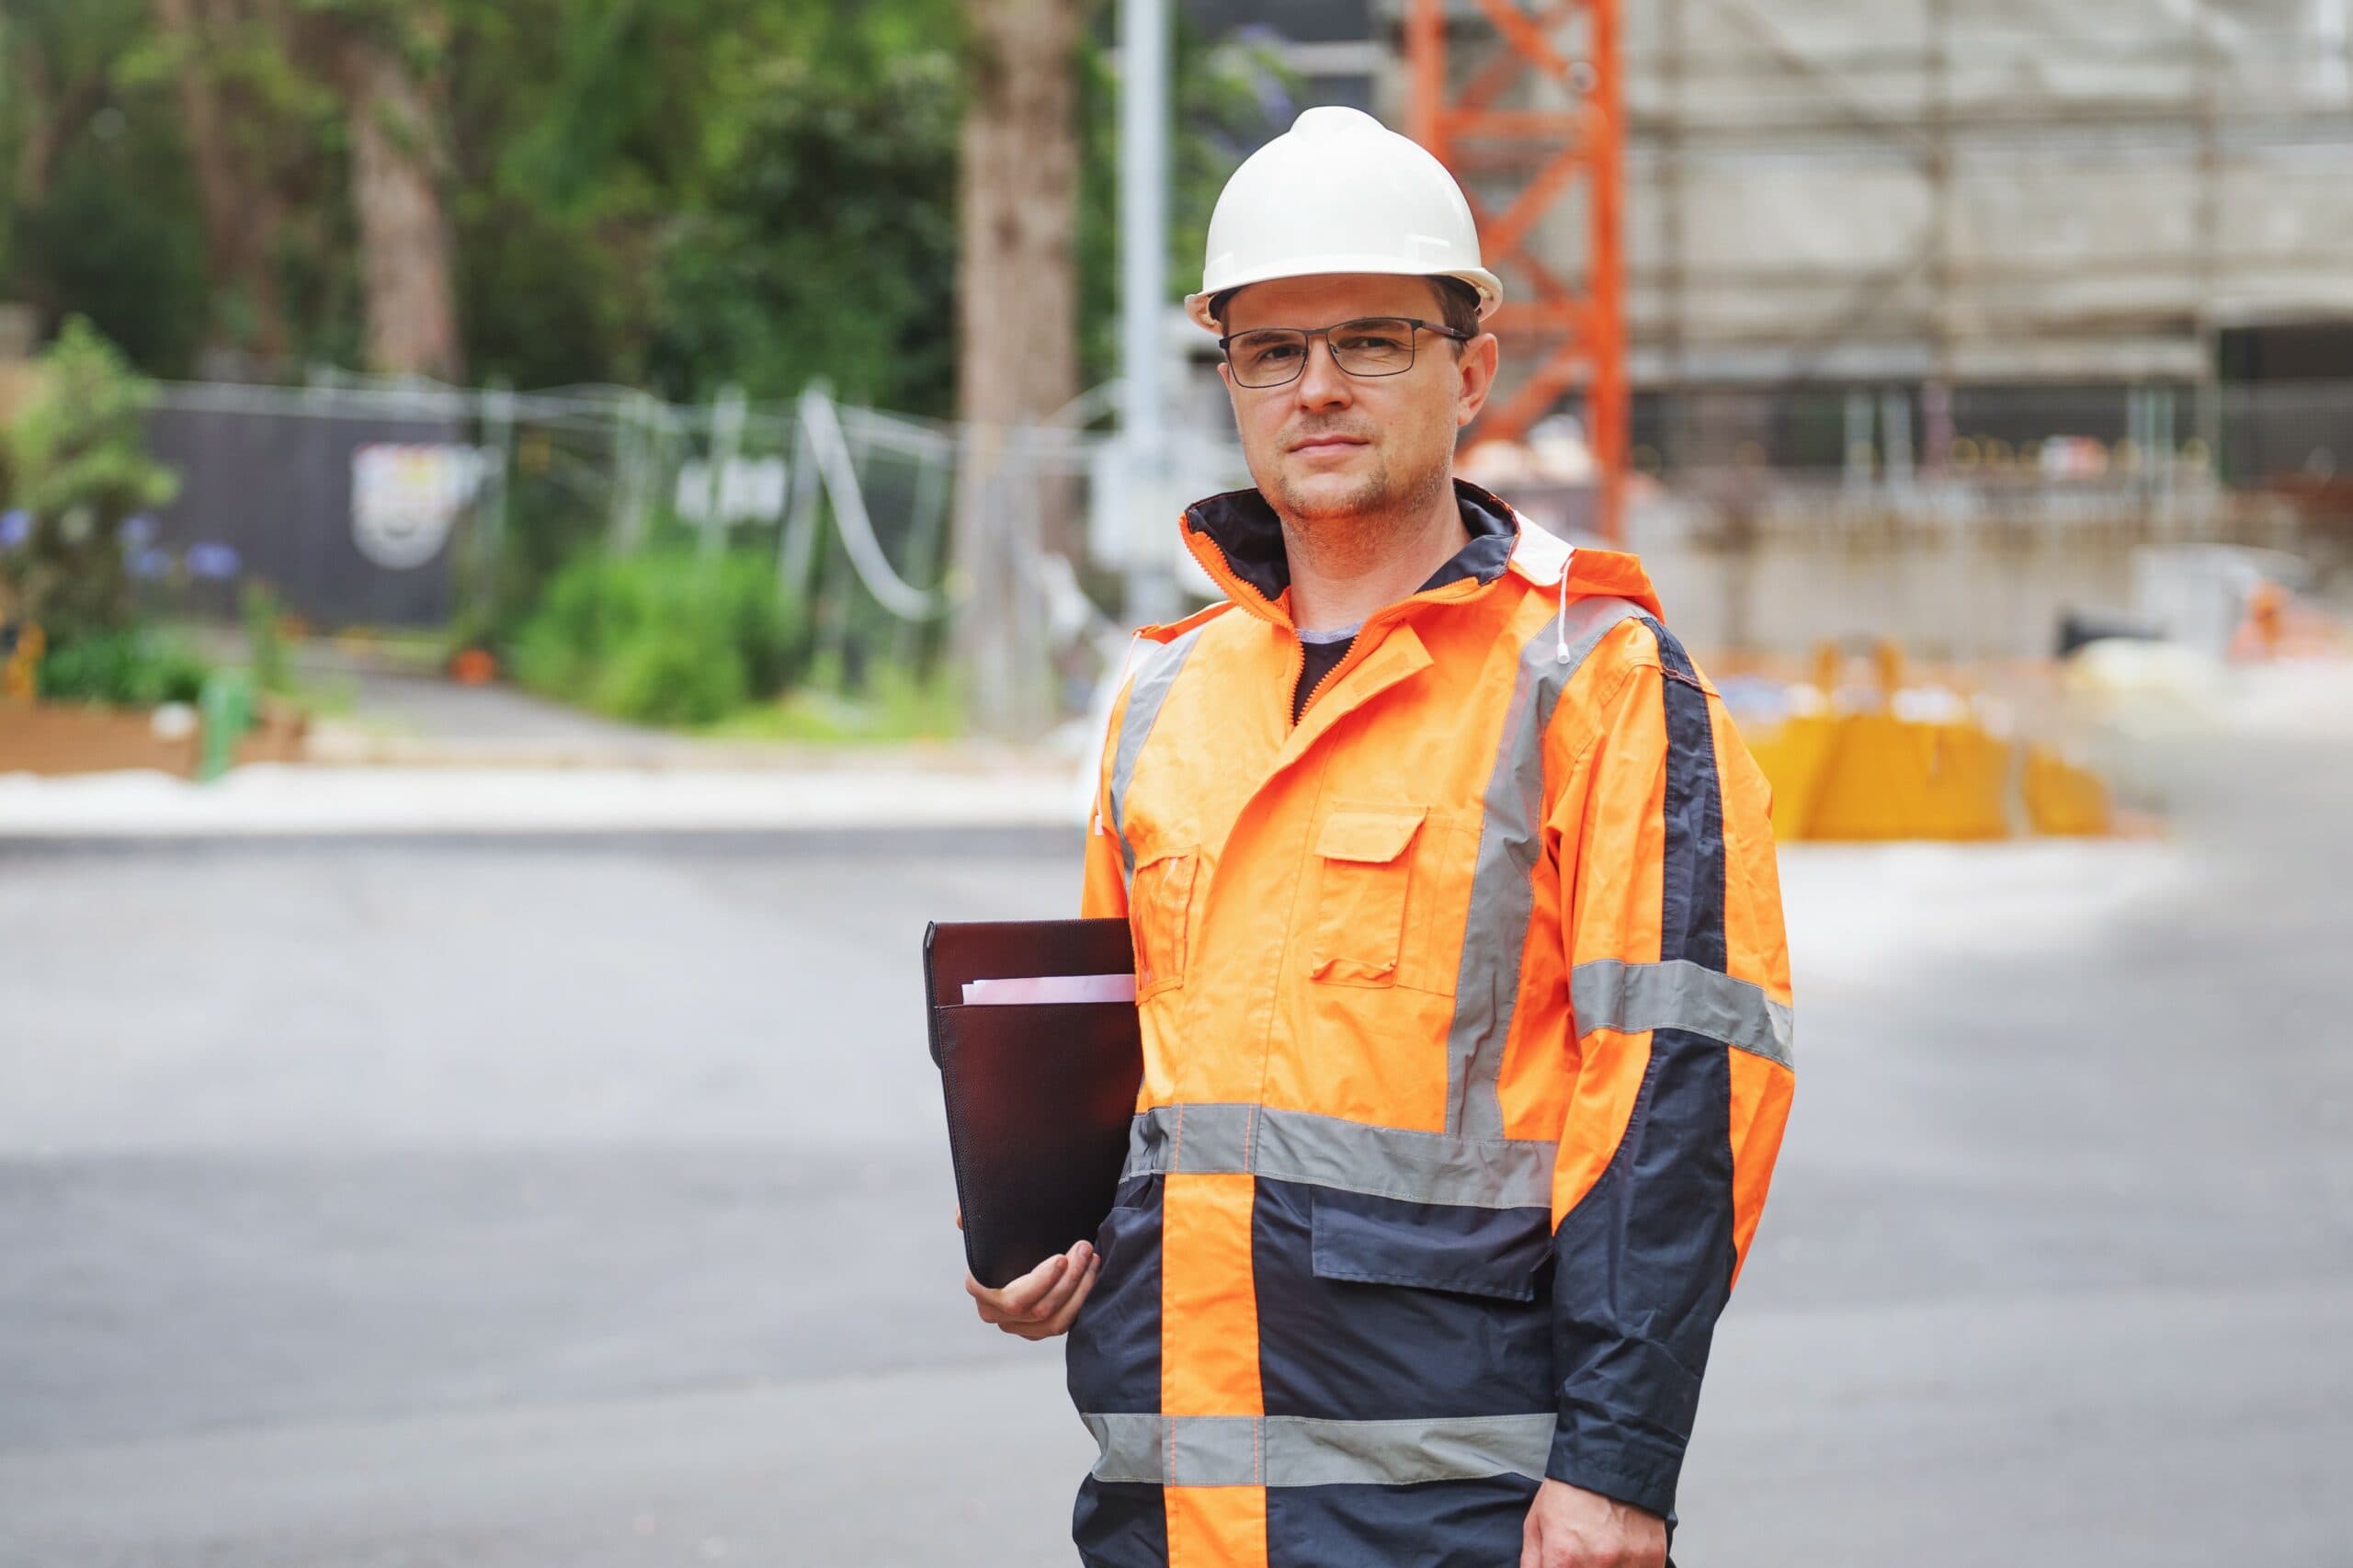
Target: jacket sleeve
1103, 891
1679, 994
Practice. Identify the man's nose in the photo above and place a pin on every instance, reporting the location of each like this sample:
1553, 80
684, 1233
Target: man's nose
1322, 384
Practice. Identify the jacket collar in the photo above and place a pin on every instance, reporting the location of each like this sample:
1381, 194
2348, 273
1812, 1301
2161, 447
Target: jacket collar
1238, 539
1239, 543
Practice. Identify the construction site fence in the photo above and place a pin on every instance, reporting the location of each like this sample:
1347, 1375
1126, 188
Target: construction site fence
1963, 526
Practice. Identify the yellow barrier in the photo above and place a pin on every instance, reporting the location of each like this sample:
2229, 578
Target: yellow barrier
1890, 778
1872, 774
2062, 799
1795, 755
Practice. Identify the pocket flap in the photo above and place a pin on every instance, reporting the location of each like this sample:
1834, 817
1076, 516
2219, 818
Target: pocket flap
1369, 835
1432, 1246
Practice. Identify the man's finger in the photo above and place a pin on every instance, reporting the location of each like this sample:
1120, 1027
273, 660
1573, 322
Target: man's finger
1046, 1327
1060, 1322
1065, 1304
1021, 1299
1075, 1266
1016, 1300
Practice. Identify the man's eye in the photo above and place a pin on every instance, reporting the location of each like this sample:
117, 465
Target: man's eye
1276, 352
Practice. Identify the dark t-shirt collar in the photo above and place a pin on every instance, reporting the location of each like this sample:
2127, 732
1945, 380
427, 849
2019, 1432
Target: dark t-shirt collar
1243, 526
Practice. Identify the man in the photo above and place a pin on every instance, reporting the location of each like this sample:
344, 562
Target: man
1459, 957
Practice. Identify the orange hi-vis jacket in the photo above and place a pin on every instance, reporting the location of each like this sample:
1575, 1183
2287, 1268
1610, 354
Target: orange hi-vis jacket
1466, 1033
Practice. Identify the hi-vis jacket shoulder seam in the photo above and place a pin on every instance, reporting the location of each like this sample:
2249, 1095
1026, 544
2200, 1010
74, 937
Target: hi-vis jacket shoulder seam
1175, 628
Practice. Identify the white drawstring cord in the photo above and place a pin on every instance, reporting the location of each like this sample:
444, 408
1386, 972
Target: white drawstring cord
1560, 624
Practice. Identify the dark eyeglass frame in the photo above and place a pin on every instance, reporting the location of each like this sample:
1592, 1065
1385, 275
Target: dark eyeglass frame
1307, 336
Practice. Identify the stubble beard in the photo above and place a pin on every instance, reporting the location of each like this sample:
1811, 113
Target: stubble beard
1366, 516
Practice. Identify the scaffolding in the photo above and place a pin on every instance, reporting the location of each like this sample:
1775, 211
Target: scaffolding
1525, 109
1918, 200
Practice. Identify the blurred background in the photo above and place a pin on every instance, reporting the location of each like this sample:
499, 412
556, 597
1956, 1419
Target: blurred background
541, 541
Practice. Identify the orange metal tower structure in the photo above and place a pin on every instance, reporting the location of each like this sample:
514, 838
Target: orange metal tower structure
1574, 336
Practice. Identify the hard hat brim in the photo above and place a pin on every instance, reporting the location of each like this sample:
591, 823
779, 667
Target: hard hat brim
1488, 287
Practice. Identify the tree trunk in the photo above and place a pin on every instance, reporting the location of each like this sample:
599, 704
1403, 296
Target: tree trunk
406, 273
1017, 349
1017, 272
38, 117
237, 194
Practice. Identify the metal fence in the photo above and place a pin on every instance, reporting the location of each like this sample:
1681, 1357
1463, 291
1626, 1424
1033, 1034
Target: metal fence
366, 502
370, 503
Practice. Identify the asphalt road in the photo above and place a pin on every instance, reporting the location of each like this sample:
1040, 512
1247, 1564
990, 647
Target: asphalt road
489, 1204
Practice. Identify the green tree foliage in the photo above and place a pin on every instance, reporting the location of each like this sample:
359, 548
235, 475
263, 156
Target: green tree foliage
99, 219
79, 472
826, 246
672, 193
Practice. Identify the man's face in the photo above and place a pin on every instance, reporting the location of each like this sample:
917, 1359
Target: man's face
1330, 444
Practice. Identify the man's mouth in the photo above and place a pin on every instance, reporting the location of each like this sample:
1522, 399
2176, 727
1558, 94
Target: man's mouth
1327, 443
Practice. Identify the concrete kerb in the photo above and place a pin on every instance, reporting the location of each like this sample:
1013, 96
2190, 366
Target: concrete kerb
1031, 797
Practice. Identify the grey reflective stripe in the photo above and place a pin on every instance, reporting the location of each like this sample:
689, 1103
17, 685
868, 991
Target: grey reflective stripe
1503, 893
1132, 1448
1299, 1451
1155, 673
1611, 993
1387, 1162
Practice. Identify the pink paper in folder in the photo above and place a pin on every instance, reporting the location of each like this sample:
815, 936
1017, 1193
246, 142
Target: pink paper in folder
1051, 988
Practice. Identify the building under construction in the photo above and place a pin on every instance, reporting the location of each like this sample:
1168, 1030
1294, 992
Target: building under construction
1918, 224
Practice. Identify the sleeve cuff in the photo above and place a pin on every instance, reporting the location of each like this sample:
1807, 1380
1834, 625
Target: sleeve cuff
1650, 1487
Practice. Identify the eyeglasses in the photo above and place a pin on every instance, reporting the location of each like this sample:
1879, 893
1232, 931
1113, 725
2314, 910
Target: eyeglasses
1370, 346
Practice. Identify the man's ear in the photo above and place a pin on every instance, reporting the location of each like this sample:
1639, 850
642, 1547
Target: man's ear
1476, 377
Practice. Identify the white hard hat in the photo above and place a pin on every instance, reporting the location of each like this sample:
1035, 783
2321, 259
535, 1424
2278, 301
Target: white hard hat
1340, 192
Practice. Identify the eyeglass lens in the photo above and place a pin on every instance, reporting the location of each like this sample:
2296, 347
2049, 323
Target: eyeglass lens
1373, 345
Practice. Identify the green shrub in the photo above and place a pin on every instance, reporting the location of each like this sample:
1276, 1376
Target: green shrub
78, 468
126, 669
678, 674
661, 638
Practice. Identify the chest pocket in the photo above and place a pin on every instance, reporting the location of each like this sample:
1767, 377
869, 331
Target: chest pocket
1366, 863
1160, 908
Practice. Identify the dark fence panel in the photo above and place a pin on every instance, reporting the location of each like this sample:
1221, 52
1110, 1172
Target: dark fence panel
277, 486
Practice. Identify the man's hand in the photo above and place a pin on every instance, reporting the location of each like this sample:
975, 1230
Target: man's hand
1569, 1528
1042, 1302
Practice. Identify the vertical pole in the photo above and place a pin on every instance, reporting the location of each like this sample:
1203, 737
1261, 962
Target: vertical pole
1426, 63
1895, 433
498, 436
1606, 166
1859, 440
797, 545
1936, 403
726, 445
2209, 224
1144, 301
629, 438
932, 473
1671, 199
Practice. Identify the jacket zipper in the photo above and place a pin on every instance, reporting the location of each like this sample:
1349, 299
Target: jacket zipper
1298, 668
1348, 661
1299, 646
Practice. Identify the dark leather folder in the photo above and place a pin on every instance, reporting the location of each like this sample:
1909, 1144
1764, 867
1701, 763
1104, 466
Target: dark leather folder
1039, 1094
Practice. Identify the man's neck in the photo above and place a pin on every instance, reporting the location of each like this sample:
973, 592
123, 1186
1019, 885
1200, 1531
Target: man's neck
1344, 568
